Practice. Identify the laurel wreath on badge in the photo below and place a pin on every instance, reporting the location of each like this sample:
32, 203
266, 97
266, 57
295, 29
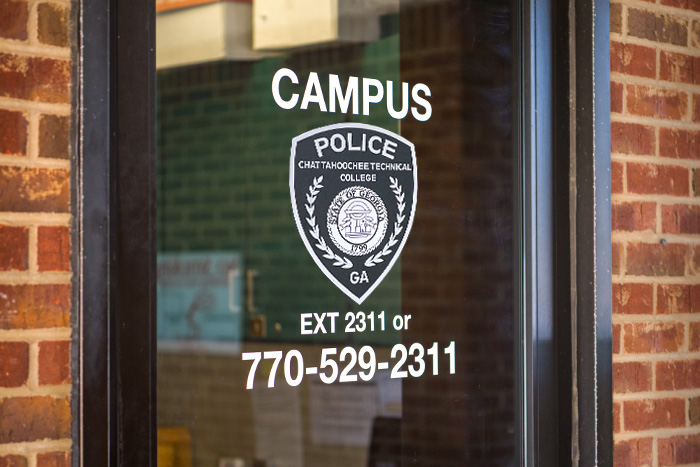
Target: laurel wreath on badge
398, 228
314, 190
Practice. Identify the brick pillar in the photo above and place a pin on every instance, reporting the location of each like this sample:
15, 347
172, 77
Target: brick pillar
35, 272
655, 94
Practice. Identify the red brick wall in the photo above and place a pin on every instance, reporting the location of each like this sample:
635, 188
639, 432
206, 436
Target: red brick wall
655, 93
35, 381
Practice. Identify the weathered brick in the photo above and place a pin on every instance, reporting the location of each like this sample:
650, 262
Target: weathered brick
14, 19
632, 138
694, 411
34, 190
679, 67
657, 27
631, 377
632, 59
679, 144
54, 362
633, 452
34, 78
616, 18
654, 413
634, 216
685, 4
696, 107
53, 459
34, 306
54, 137
34, 418
679, 450
680, 219
657, 179
53, 24
616, 91
655, 259
616, 417
695, 34
616, 177
13, 132
53, 248
648, 101
14, 254
633, 298
14, 364
677, 375
678, 298
656, 337
13, 461
694, 339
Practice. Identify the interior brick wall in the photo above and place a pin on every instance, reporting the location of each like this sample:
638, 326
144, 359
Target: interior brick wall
655, 110
35, 271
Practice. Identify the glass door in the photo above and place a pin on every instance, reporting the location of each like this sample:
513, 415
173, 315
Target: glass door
336, 222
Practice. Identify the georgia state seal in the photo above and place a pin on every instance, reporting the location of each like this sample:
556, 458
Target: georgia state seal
357, 220
353, 189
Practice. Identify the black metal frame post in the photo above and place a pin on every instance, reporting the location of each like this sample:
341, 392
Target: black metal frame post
566, 348
114, 178
591, 226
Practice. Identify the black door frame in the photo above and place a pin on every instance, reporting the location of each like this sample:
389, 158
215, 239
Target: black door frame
566, 380
114, 177
565, 241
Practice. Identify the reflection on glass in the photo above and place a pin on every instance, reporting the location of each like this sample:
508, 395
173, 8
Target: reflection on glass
262, 359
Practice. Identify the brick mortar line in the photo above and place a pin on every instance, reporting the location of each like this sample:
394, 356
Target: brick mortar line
676, 12
35, 50
33, 379
657, 65
26, 278
661, 46
655, 299
33, 252
59, 390
653, 121
657, 433
33, 135
60, 2
658, 160
683, 318
28, 219
666, 394
623, 78
33, 336
33, 23
651, 237
654, 357
62, 109
661, 280
655, 198
30, 163
33, 447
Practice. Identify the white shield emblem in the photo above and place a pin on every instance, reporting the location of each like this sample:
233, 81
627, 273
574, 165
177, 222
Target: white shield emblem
353, 188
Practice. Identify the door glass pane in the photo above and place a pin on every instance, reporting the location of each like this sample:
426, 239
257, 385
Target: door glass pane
335, 233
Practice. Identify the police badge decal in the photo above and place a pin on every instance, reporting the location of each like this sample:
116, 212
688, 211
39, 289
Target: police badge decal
353, 188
